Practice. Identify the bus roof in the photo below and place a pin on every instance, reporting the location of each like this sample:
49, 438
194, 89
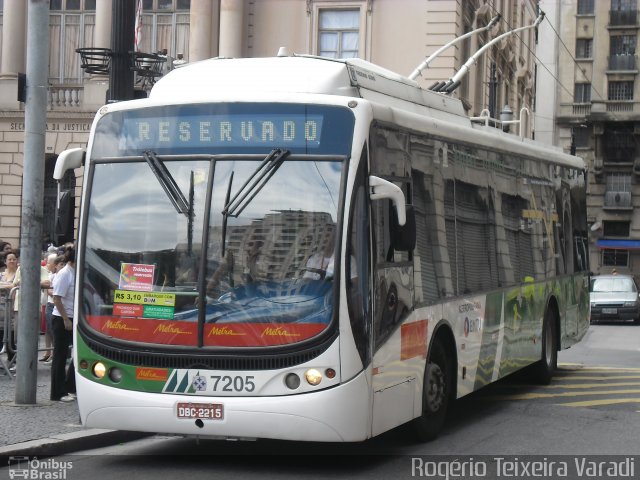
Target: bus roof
233, 78
224, 79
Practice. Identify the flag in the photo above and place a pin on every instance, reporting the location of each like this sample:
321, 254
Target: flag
138, 30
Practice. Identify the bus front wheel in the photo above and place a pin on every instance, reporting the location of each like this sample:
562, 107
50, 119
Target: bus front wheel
436, 393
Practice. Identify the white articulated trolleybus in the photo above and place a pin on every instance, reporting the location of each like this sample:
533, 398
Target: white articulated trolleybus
311, 249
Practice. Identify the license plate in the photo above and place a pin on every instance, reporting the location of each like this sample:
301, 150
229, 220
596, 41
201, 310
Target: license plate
610, 311
203, 411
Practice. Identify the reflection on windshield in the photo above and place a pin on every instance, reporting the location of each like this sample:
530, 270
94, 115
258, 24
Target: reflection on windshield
272, 285
613, 285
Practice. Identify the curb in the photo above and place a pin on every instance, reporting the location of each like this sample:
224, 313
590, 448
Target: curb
70, 442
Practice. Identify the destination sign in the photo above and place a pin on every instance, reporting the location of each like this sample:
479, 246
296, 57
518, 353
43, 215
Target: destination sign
230, 130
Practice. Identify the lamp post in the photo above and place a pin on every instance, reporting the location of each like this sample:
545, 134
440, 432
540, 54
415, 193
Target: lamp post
122, 42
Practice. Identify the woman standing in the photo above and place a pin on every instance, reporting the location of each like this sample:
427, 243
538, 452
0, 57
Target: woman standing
8, 276
63, 385
9, 279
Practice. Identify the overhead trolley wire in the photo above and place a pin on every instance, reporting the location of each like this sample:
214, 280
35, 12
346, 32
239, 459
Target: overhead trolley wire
533, 53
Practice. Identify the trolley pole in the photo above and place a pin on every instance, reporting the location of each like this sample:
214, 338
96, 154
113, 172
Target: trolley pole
122, 42
32, 198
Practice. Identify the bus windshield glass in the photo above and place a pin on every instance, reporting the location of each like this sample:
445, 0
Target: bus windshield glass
216, 245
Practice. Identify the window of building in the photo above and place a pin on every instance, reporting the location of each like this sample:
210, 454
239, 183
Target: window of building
623, 12
339, 33
581, 137
620, 91
582, 93
165, 25
619, 144
618, 192
585, 7
153, 5
615, 229
619, 182
623, 45
623, 5
615, 258
584, 47
70, 5
622, 51
68, 30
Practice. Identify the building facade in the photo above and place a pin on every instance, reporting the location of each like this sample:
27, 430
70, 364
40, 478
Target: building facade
396, 34
597, 104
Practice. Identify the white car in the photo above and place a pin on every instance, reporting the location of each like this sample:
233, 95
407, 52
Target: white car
614, 297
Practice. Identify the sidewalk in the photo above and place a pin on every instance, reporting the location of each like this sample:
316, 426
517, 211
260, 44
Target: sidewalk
46, 428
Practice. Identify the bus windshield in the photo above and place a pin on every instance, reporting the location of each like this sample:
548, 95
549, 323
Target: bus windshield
210, 247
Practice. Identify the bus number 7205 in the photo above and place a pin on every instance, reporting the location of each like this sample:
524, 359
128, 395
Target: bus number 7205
238, 383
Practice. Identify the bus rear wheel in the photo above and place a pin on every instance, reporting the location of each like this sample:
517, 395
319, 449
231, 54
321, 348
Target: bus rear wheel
544, 369
436, 393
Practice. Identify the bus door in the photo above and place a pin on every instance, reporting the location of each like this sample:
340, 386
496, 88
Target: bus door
393, 385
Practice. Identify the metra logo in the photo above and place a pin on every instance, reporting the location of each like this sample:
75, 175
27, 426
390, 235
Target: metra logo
278, 332
223, 331
170, 328
155, 374
118, 325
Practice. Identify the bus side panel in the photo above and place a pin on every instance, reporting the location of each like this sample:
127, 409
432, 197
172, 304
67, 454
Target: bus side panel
398, 370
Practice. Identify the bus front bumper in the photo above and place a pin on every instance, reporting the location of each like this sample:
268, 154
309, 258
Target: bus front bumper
339, 414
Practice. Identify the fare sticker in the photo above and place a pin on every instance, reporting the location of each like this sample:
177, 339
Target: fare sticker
145, 298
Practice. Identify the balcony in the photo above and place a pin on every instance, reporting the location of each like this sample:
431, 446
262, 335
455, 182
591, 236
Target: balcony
618, 200
621, 106
64, 97
623, 18
622, 63
573, 110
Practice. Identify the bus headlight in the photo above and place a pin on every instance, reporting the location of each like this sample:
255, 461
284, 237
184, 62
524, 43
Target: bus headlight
313, 376
99, 370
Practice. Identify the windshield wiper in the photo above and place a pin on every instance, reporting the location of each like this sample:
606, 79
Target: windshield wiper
224, 217
255, 183
168, 183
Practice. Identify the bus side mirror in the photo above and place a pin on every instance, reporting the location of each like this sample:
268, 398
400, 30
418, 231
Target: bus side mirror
67, 160
383, 189
403, 237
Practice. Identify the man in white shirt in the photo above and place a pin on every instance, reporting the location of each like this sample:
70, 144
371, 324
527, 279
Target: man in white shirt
63, 385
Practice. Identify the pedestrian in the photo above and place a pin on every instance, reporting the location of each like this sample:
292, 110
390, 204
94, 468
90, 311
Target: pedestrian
9, 279
8, 276
5, 247
44, 284
52, 267
63, 385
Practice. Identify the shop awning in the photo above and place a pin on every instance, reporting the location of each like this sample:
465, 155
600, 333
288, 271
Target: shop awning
619, 244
